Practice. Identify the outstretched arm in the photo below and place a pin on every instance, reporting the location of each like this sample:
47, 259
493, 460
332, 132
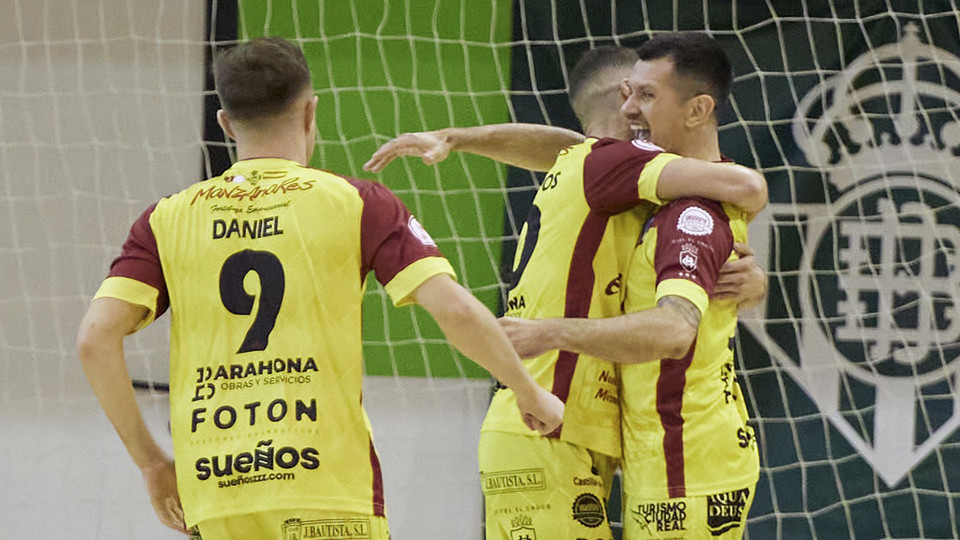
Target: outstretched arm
724, 182
666, 331
527, 146
473, 330
100, 347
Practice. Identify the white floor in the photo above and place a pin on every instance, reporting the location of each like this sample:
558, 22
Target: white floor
66, 475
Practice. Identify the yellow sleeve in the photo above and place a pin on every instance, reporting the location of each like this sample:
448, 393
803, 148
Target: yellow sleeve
407, 280
647, 183
738, 222
685, 289
132, 291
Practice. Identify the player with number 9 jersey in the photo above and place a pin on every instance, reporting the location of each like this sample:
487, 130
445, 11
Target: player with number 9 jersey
263, 269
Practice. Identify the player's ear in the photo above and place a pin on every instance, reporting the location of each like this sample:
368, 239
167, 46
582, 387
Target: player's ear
224, 122
699, 110
625, 90
310, 114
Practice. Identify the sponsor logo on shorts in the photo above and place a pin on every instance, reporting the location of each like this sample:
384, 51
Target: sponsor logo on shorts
326, 529
522, 528
588, 510
588, 481
510, 481
725, 510
512, 510
661, 516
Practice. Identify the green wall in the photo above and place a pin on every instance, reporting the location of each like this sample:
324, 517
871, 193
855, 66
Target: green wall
381, 68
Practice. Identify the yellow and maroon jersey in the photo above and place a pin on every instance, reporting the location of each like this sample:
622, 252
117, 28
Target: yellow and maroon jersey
264, 270
685, 430
572, 253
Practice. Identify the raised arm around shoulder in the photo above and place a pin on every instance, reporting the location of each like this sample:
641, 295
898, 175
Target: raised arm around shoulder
528, 146
473, 330
724, 182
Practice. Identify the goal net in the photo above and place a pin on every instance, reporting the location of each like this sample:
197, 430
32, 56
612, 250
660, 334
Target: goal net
850, 109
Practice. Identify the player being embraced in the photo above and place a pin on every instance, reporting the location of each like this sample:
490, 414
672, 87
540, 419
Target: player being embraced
690, 463
263, 270
574, 249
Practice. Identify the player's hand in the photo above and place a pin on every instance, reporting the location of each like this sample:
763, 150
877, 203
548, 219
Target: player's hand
541, 410
742, 280
428, 146
161, 480
529, 337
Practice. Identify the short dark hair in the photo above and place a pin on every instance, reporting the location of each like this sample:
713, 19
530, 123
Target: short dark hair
696, 57
593, 62
261, 77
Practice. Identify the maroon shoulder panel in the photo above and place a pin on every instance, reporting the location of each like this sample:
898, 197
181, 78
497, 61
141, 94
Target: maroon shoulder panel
140, 259
693, 241
390, 237
610, 174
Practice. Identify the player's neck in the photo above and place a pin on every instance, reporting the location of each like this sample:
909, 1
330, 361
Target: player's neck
288, 145
614, 128
700, 144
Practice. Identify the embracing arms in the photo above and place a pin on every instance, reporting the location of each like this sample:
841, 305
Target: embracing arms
665, 331
535, 147
527, 146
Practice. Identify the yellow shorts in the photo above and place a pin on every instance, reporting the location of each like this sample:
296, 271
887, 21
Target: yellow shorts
537, 488
295, 525
721, 516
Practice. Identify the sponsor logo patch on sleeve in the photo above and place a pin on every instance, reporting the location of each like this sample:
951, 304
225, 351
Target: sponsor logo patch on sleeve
695, 221
417, 229
688, 257
646, 145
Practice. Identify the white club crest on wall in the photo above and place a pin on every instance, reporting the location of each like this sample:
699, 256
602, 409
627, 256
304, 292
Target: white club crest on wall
877, 284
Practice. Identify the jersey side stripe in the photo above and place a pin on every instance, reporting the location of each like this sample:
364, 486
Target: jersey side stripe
378, 505
670, 387
580, 279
